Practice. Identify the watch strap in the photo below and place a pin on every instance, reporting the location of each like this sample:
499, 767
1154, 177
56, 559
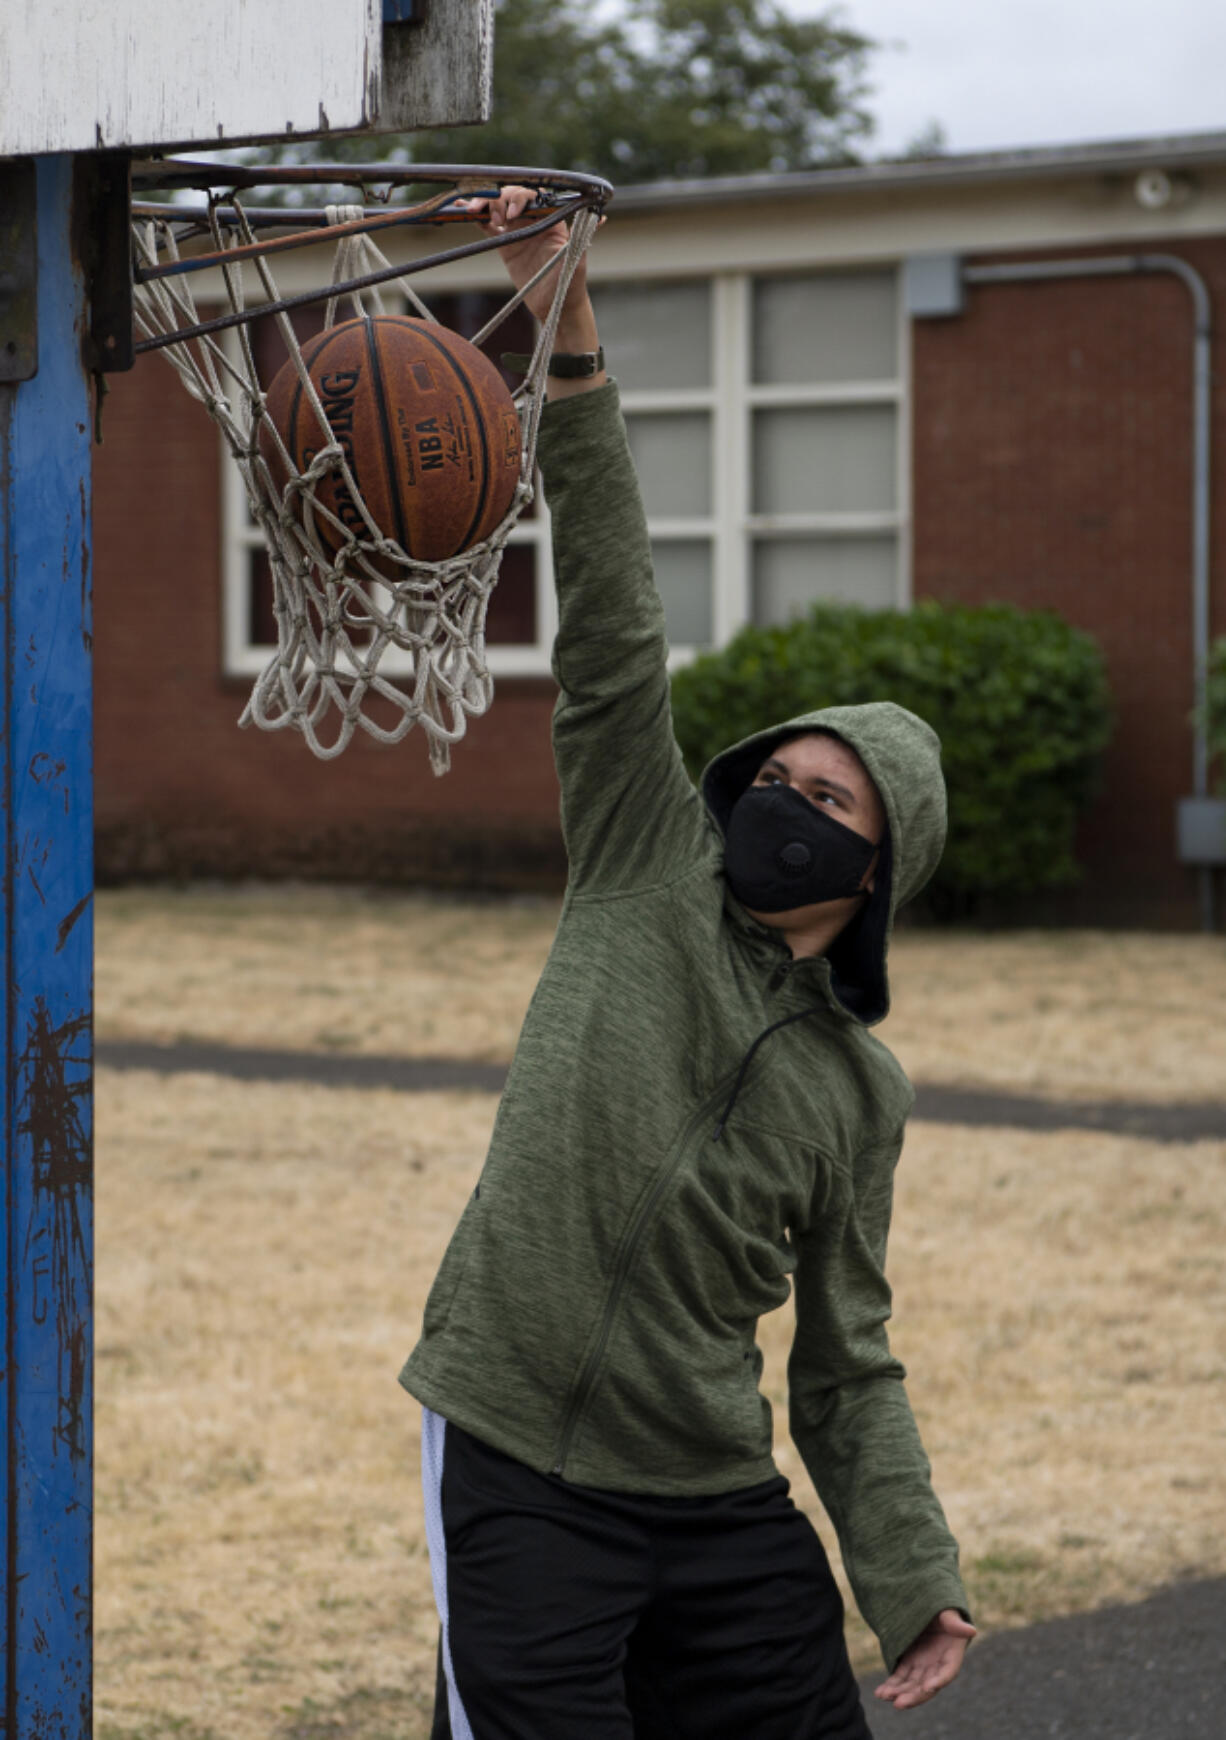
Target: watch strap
563, 365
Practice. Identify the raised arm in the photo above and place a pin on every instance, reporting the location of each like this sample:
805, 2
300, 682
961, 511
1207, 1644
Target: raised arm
630, 815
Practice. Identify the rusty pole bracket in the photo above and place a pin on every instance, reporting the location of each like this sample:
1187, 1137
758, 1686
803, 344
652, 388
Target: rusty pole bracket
102, 202
18, 270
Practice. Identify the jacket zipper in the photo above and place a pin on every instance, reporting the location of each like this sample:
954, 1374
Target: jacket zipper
586, 1382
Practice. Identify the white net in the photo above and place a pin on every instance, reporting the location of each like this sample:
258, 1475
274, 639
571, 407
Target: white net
343, 594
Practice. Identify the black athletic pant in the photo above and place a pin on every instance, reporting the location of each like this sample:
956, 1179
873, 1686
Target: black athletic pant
581, 1615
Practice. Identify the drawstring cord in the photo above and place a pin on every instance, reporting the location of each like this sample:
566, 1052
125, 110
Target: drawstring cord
813, 1009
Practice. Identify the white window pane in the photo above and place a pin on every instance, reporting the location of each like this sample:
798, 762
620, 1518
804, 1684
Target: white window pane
672, 455
838, 326
837, 459
655, 335
790, 574
683, 575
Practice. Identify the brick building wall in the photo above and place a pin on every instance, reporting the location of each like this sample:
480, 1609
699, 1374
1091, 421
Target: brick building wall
1051, 435
1052, 465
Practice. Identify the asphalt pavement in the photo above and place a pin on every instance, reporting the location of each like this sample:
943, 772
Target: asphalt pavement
1191, 1121
1153, 1671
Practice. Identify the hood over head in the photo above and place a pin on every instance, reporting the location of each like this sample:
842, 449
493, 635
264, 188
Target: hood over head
903, 758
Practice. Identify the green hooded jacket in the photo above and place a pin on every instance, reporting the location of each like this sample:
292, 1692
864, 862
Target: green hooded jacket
595, 1313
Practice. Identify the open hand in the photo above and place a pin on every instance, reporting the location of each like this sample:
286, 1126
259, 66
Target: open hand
932, 1661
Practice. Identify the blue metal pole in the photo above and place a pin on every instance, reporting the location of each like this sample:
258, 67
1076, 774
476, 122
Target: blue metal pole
46, 815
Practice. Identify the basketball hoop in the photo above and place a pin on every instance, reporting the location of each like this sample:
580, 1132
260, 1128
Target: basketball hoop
343, 594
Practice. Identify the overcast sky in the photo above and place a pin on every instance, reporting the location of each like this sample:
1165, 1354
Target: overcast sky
1041, 72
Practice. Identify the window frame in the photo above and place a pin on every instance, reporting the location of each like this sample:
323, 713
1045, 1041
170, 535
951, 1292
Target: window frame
895, 521
732, 528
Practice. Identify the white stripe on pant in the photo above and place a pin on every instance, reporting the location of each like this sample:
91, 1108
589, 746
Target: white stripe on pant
433, 1442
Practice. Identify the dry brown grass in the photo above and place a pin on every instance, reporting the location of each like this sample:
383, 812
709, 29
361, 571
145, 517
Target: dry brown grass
1060, 1303
1070, 1013
322, 969
264, 1253
262, 1261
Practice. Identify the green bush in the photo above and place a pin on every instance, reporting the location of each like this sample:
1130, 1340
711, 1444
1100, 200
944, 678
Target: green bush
1019, 699
1215, 704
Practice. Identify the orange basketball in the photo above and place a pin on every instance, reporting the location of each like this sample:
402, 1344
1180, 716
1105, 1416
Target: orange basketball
427, 425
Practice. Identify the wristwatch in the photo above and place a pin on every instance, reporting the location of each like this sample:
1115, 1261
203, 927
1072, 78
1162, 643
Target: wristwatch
563, 365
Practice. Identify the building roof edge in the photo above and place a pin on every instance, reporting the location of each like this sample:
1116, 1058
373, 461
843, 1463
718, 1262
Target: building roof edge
1030, 163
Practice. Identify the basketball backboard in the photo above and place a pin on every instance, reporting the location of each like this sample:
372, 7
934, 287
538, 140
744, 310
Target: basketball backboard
128, 74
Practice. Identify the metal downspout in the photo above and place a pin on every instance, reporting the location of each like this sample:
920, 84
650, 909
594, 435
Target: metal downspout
1116, 266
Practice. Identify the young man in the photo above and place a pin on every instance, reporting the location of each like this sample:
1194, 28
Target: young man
697, 1119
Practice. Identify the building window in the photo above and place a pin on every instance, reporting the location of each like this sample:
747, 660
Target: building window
825, 327
766, 419
825, 463
659, 339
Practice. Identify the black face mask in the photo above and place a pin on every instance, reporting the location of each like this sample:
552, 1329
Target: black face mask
782, 852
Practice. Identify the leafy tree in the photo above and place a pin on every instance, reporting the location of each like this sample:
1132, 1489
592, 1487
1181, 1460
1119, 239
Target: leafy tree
931, 141
666, 89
